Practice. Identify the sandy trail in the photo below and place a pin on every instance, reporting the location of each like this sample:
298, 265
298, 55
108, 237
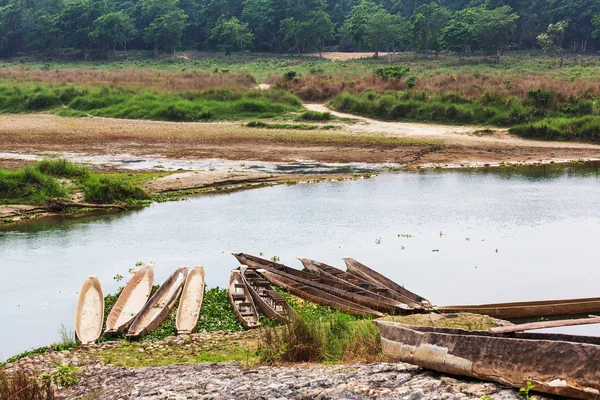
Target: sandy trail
466, 135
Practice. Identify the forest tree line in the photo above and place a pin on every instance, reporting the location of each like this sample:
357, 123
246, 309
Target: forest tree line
48, 27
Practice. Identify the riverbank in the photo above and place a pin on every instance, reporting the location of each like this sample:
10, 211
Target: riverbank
222, 365
366, 141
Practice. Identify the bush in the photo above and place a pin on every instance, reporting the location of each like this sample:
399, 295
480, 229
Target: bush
104, 189
314, 116
392, 72
540, 96
411, 82
61, 168
42, 101
290, 76
28, 186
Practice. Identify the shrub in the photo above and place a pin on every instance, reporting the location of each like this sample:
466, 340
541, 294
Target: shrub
540, 96
411, 82
104, 189
290, 75
28, 186
392, 72
61, 168
314, 116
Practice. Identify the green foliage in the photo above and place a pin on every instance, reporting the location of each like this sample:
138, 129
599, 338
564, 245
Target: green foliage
260, 124
524, 391
104, 189
166, 31
217, 313
315, 116
28, 186
112, 29
392, 72
231, 34
585, 129
540, 96
64, 376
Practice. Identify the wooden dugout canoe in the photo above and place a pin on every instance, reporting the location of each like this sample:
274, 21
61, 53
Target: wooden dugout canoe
191, 302
89, 314
315, 295
241, 300
376, 292
131, 300
561, 365
159, 306
269, 301
545, 308
356, 268
335, 287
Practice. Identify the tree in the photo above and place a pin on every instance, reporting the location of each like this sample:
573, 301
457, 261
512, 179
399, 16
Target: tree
552, 40
494, 29
112, 29
166, 31
318, 29
427, 22
458, 35
385, 31
355, 25
76, 20
232, 34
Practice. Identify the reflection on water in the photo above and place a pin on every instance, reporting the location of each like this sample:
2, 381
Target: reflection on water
453, 237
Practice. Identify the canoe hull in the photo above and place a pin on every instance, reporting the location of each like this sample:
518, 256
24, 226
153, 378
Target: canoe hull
271, 303
89, 314
131, 300
530, 309
241, 301
160, 305
191, 302
356, 268
315, 295
555, 364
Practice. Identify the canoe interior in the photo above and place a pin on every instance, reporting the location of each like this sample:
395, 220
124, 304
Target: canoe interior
241, 300
191, 301
89, 315
160, 305
131, 300
562, 365
269, 301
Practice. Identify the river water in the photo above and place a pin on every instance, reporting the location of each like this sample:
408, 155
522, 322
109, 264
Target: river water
451, 236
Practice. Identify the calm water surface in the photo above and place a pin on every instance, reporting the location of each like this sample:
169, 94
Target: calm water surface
485, 236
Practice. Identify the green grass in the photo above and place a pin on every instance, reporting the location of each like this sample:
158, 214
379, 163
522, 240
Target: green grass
585, 129
265, 125
36, 184
145, 103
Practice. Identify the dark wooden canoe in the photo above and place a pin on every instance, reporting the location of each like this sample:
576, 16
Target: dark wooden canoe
356, 268
159, 306
561, 365
315, 295
269, 301
241, 300
529, 309
331, 272
335, 287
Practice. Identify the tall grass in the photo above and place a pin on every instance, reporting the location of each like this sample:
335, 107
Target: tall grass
340, 339
146, 103
37, 184
22, 385
28, 186
585, 129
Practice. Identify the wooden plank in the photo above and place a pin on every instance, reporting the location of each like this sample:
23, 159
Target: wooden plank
544, 325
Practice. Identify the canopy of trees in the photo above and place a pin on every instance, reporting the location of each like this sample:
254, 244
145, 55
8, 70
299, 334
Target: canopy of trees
100, 27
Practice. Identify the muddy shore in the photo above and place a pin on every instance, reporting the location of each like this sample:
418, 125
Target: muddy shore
366, 141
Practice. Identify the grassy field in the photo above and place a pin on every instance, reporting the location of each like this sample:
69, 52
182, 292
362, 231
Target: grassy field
529, 92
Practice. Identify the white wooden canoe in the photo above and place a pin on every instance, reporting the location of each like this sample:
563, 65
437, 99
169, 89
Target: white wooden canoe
159, 306
89, 315
191, 302
133, 297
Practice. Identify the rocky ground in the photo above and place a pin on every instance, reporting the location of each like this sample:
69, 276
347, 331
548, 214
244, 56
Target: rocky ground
232, 381
120, 370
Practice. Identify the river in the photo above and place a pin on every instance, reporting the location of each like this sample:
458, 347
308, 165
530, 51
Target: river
451, 236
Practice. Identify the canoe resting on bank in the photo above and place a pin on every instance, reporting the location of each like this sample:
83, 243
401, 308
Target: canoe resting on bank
131, 300
545, 308
561, 365
190, 304
269, 301
241, 300
159, 306
89, 315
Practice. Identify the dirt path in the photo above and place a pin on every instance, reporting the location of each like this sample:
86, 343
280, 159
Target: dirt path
465, 135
